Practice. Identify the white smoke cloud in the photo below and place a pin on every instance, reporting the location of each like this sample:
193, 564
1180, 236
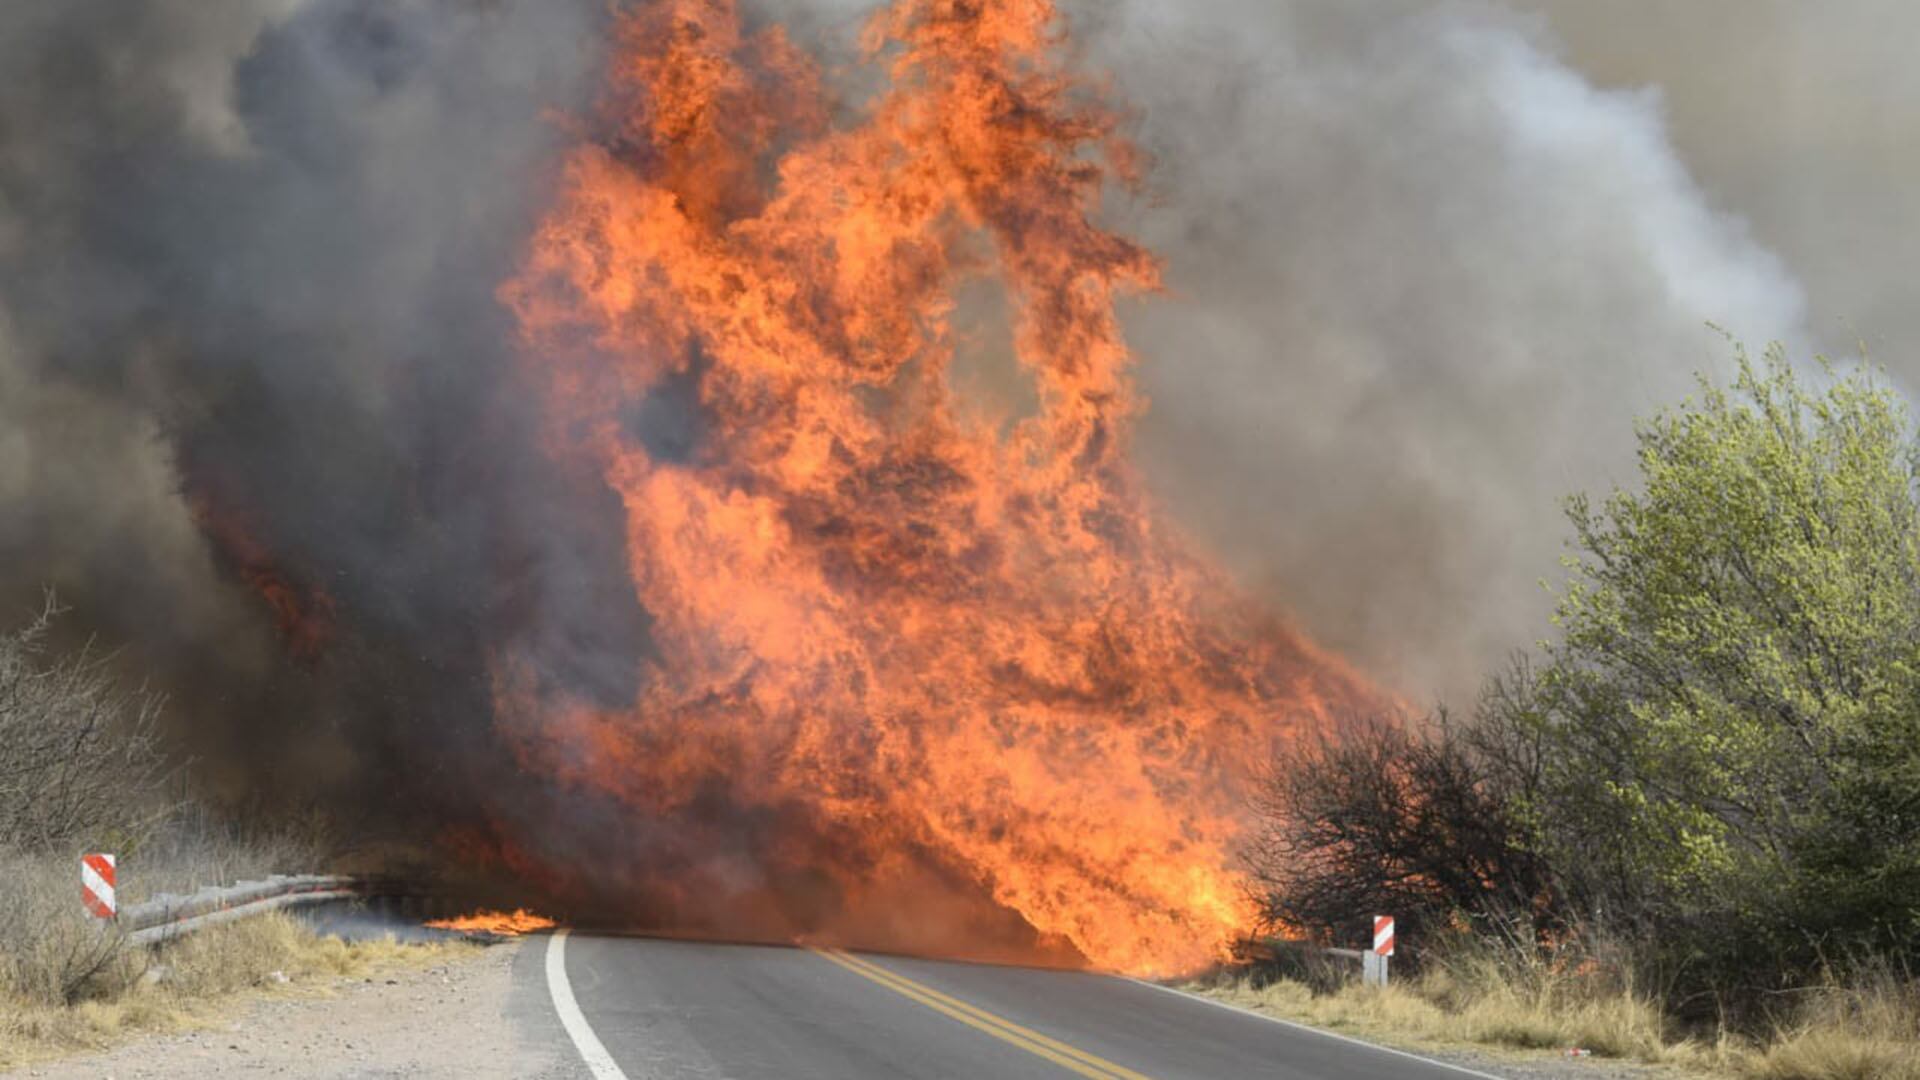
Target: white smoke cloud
1424, 277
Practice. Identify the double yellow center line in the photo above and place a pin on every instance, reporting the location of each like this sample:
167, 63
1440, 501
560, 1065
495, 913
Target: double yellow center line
1068, 1057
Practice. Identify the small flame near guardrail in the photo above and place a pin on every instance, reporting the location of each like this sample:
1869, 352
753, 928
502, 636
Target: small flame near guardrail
504, 923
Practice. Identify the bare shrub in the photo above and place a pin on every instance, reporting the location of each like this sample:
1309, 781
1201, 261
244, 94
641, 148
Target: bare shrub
194, 847
80, 759
51, 951
82, 768
1388, 816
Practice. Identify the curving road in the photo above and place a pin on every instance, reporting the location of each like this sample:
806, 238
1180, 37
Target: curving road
642, 1008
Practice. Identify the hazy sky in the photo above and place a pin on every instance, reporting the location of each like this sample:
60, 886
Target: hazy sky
1803, 118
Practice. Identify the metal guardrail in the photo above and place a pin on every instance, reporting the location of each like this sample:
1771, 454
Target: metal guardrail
1253, 947
168, 916
1373, 966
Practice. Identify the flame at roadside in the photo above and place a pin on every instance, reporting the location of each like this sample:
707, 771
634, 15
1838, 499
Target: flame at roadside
914, 663
504, 923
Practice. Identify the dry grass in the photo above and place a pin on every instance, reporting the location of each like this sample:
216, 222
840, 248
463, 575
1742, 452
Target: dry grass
195, 982
193, 848
67, 985
82, 769
53, 953
1619, 1025
50, 950
1868, 1031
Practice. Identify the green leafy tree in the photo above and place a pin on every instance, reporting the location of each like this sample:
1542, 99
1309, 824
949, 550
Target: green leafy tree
1730, 716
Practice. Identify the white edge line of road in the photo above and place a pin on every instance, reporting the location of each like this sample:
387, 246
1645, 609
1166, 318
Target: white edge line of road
1297, 1026
592, 1051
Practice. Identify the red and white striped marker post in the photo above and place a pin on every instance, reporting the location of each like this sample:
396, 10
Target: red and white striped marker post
1383, 935
1373, 963
96, 885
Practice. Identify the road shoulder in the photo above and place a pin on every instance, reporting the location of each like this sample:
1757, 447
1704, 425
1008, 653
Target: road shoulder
455, 1018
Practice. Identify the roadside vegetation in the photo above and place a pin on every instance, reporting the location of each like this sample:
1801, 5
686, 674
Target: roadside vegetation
197, 981
82, 769
1686, 827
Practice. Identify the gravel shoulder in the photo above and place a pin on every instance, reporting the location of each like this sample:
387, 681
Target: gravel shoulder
456, 1018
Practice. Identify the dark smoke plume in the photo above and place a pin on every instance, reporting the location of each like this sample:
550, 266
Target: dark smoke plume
258, 418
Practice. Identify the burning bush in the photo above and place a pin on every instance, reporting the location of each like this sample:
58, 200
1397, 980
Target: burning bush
1379, 814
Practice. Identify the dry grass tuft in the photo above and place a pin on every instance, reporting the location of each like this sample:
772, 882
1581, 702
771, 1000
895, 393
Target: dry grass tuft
1836, 1055
1868, 1030
1506, 996
1489, 994
1617, 1025
193, 982
51, 952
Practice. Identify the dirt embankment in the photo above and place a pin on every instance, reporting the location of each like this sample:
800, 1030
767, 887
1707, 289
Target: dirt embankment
446, 1019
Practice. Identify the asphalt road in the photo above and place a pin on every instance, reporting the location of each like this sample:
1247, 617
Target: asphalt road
643, 1008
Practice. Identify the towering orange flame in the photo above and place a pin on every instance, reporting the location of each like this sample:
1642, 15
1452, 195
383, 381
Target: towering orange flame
877, 610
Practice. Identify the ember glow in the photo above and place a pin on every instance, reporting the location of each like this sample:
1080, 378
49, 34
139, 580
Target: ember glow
904, 646
504, 923
304, 615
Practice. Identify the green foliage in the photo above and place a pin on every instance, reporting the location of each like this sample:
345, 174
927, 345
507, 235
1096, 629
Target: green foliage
1716, 758
1729, 721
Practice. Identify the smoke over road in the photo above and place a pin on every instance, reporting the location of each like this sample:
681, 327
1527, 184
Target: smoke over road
264, 419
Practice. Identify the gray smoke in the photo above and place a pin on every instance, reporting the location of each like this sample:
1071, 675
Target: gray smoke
1424, 273
248, 252
1424, 276
1802, 117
